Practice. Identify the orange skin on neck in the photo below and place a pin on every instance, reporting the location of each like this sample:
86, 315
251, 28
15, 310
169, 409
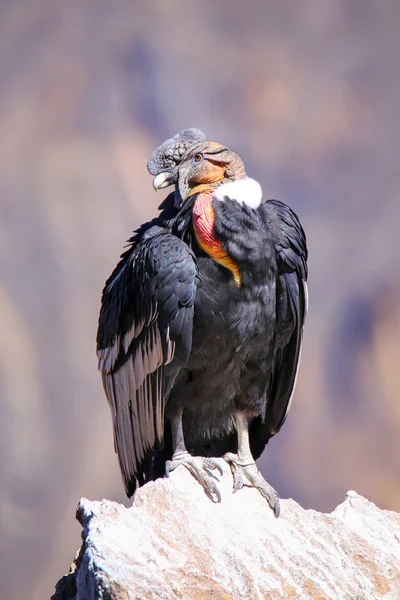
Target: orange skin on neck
203, 224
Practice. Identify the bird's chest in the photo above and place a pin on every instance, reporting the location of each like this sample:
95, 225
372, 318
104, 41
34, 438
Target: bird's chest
231, 324
231, 352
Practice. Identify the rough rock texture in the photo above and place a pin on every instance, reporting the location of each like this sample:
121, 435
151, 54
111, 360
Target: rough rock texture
175, 543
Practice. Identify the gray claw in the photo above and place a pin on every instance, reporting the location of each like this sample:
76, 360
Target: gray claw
249, 475
214, 491
213, 465
200, 468
277, 508
238, 482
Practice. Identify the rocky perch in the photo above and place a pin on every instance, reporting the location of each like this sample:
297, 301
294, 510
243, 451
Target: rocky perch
175, 543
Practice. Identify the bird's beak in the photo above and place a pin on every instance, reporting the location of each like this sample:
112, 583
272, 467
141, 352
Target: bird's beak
163, 180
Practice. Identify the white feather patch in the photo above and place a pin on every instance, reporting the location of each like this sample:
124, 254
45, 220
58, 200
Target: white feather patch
245, 191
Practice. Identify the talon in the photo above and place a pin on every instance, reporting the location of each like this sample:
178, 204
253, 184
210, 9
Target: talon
210, 474
247, 473
213, 465
201, 469
238, 483
274, 502
217, 493
277, 508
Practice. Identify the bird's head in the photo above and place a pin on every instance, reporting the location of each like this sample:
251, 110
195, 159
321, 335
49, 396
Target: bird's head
192, 164
164, 162
206, 167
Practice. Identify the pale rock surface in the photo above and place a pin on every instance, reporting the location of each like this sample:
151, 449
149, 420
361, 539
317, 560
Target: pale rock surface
174, 543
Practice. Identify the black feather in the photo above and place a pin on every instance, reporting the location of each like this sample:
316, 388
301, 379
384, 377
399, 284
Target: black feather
145, 320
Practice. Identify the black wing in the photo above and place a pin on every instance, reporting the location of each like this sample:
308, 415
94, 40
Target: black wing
291, 309
272, 234
144, 338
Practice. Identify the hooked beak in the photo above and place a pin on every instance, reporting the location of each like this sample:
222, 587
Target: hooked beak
163, 180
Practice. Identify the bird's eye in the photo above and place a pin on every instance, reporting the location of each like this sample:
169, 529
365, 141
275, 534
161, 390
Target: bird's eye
198, 157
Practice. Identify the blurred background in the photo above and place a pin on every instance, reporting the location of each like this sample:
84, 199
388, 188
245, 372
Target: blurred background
308, 93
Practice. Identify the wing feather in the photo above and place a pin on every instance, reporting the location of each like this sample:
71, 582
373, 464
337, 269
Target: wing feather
145, 324
291, 309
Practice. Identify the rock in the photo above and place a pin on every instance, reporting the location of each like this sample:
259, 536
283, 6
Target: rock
175, 543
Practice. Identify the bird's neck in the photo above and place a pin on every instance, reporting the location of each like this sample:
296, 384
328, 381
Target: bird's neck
203, 218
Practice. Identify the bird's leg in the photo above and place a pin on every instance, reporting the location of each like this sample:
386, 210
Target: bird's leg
244, 468
198, 466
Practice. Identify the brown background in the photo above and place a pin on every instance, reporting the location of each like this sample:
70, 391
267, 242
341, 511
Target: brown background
308, 93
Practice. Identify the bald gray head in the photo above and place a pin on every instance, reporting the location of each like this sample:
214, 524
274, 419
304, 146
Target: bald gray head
166, 158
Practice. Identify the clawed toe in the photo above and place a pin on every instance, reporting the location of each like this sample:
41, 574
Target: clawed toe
201, 469
247, 473
212, 465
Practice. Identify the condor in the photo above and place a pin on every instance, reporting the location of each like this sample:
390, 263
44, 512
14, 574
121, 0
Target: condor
201, 322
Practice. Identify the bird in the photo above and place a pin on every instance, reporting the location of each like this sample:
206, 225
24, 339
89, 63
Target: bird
201, 323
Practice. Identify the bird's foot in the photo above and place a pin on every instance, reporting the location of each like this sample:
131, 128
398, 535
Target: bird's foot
245, 472
201, 469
